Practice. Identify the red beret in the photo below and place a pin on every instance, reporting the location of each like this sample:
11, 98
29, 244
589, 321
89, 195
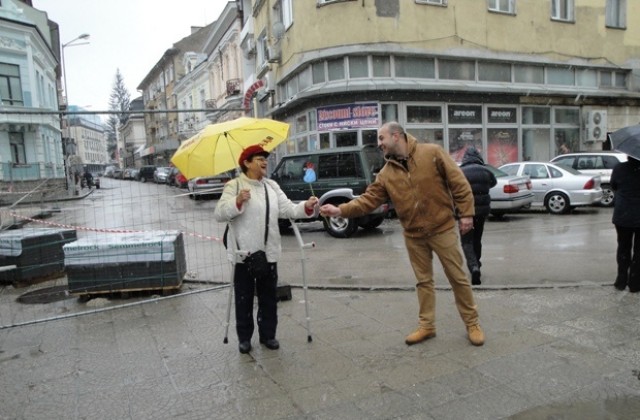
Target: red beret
251, 151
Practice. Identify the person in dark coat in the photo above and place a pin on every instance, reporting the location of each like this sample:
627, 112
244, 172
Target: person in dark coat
481, 180
625, 181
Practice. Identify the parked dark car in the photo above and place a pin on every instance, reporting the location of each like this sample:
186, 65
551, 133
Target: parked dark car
340, 175
146, 173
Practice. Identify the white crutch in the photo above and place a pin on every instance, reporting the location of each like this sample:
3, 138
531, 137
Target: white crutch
304, 246
237, 253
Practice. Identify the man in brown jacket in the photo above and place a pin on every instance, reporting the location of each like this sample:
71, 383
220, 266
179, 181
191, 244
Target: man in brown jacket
427, 188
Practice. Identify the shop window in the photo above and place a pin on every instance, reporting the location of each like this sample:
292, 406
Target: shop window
567, 116
370, 137
502, 146
535, 144
317, 70
10, 85
389, 112
301, 124
528, 74
325, 141
494, 72
424, 114
417, 67
336, 69
586, 77
305, 79
616, 14
358, 67
428, 135
562, 10
560, 76
566, 140
346, 138
536, 115
303, 145
312, 120
456, 70
462, 138
465, 114
620, 79
381, 66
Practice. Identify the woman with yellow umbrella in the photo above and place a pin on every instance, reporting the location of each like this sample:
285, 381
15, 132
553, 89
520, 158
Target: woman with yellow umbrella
252, 204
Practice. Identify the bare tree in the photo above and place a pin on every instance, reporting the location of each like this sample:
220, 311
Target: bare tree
119, 100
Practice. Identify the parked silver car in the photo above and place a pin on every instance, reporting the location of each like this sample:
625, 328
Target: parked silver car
510, 194
208, 185
594, 163
558, 188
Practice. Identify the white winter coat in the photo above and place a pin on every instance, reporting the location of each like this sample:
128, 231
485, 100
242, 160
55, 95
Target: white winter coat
248, 221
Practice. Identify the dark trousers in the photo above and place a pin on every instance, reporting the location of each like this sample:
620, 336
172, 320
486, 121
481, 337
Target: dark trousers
266, 289
628, 257
472, 243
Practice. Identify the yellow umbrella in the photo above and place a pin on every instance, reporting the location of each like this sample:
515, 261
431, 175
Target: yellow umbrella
217, 147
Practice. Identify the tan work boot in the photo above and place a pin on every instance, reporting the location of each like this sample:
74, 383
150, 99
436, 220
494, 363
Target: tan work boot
476, 336
419, 335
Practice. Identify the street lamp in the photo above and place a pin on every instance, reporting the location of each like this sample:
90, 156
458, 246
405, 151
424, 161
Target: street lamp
71, 43
67, 131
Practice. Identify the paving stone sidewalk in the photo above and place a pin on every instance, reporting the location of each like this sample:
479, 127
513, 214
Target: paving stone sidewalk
567, 353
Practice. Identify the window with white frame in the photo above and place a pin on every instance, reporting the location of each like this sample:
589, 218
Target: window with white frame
562, 10
616, 14
284, 9
436, 2
503, 6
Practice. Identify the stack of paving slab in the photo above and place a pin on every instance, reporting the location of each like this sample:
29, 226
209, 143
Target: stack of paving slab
121, 262
36, 253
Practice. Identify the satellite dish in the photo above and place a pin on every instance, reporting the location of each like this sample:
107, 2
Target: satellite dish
278, 30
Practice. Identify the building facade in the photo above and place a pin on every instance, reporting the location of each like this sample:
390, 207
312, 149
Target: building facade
517, 79
162, 124
132, 136
30, 136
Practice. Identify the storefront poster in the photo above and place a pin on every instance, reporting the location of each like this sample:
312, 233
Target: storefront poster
462, 138
348, 116
502, 146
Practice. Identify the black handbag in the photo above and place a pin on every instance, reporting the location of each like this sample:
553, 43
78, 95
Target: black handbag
256, 263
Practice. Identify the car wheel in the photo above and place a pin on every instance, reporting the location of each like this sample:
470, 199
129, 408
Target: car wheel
607, 196
340, 227
557, 203
143, 179
372, 223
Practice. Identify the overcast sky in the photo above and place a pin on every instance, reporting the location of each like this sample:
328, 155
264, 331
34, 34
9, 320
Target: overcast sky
130, 35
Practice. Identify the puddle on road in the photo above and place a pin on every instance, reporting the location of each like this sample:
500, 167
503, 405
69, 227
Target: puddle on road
614, 408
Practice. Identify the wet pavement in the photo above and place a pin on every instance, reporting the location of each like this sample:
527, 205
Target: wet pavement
561, 343
568, 353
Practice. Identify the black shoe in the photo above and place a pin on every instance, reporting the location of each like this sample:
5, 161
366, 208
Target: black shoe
270, 343
475, 278
620, 285
244, 347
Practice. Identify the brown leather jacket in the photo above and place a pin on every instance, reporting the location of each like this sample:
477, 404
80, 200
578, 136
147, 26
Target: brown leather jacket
426, 196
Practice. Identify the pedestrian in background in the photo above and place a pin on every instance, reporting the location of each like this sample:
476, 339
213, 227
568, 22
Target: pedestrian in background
426, 187
625, 181
481, 180
253, 204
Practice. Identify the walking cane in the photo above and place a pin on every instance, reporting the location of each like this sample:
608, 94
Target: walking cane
236, 253
304, 246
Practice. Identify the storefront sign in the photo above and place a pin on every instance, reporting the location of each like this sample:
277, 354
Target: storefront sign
335, 117
460, 114
502, 115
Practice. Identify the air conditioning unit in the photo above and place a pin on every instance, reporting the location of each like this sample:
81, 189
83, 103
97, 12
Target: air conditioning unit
273, 54
596, 125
